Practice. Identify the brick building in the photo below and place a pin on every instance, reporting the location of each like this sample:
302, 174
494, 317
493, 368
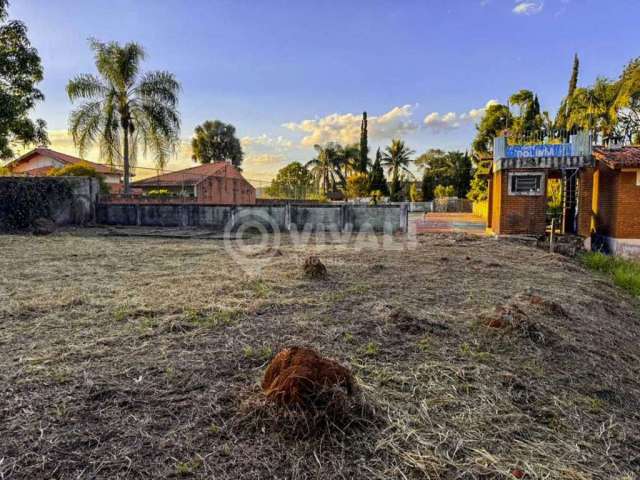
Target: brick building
600, 191
39, 162
216, 183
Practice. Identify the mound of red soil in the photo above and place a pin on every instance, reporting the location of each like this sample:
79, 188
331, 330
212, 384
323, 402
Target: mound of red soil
314, 268
299, 375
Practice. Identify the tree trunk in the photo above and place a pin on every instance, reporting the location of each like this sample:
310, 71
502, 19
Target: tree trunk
125, 158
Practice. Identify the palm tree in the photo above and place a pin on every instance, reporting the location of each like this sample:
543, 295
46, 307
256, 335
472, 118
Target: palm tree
349, 159
326, 167
125, 110
593, 109
396, 158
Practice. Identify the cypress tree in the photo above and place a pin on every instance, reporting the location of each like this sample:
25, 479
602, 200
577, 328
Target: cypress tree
565, 106
376, 176
364, 146
573, 82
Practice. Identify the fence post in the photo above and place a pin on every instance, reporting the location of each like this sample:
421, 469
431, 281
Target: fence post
404, 218
287, 216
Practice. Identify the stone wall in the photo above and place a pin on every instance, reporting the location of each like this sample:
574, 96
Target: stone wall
325, 217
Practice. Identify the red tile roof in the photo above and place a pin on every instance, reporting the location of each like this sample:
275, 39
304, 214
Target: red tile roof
64, 158
622, 157
191, 176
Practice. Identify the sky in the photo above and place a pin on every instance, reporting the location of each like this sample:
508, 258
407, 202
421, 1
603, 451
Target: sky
289, 74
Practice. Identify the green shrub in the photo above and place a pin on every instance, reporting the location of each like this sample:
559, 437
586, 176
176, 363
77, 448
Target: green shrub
81, 170
442, 192
159, 193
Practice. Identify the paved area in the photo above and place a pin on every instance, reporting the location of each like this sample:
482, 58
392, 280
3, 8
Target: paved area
449, 222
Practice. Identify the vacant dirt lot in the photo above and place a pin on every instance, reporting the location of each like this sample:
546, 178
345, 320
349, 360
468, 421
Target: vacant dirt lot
142, 358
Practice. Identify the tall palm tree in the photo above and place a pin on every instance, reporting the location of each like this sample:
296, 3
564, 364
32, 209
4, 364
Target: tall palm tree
396, 158
125, 110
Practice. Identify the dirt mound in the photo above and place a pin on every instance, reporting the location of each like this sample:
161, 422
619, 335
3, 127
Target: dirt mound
519, 315
300, 376
314, 268
43, 226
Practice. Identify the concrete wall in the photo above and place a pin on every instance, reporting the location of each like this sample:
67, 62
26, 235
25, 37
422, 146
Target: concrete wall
388, 218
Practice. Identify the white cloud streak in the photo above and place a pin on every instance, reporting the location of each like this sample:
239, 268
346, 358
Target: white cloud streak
528, 8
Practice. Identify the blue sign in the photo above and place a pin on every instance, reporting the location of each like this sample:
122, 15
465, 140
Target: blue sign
537, 151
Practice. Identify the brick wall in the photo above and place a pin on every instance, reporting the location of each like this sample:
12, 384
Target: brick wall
607, 201
585, 192
226, 191
627, 215
517, 214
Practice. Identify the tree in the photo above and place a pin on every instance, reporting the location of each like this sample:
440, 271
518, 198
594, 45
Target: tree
293, 181
126, 111
593, 109
628, 85
357, 185
325, 168
414, 195
215, 141
363, 163
446, 168
397, 158
527, 125
377, 182
428, 186
20, 71
496, 119
348, 159
462, 173
565, 106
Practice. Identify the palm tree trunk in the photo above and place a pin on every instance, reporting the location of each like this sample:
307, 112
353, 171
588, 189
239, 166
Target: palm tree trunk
125, 158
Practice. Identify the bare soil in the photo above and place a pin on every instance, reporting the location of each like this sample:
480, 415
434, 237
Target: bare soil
132, 357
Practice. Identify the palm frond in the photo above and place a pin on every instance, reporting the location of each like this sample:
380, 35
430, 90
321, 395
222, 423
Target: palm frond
159, 86
85, 86
84, 125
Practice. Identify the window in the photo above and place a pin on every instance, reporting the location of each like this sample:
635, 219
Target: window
526, 183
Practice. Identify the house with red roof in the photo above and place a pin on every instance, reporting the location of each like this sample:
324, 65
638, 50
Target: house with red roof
40, 161
216, 183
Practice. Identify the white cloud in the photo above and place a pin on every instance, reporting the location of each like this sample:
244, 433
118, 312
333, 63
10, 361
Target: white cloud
345, 128
450, 121
528, 8
264, 140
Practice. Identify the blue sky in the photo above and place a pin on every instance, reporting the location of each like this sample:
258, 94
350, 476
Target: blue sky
288, 74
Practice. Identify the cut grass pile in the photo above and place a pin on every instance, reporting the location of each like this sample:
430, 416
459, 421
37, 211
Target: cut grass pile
142, 358
624, 272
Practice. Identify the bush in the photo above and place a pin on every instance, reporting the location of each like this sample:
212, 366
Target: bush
445, 192
81, 170
24, 200
357, 185
159, 193
625, 273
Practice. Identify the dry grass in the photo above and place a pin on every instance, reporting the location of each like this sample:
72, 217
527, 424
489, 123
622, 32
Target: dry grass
141, 358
